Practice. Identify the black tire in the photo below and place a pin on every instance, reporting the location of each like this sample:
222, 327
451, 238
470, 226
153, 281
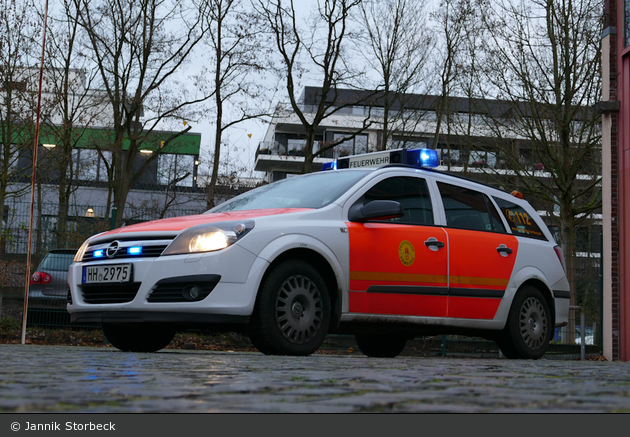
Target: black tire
138, 337
529, 326
292, 312
381, 345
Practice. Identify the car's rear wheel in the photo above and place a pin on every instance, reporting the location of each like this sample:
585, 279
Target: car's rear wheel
138, 337
529, 326
292, 312
381, 345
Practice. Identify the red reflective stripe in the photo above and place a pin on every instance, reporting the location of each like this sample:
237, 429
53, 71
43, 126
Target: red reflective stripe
361, 281
397, 304
472, 307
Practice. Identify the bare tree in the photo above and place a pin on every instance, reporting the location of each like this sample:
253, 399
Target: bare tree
71, 107
138, 48
18, 33
463, 75
240, 50
545, 63
320, 50
451, 30
399, 45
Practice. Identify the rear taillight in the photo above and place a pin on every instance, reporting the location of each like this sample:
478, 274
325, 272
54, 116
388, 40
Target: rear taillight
560, 254
40, 278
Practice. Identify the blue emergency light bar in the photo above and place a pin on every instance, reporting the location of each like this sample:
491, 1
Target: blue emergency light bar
136, 250
414, 157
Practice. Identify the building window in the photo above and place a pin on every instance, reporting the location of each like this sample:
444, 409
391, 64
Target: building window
90, 166
351, 146
626, 23
176, 168
296, 147
14, 155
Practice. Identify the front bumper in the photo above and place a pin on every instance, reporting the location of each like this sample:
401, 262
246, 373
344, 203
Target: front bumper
233, 276
157, 317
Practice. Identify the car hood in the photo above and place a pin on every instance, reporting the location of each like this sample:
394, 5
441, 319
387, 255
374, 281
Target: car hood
181, 223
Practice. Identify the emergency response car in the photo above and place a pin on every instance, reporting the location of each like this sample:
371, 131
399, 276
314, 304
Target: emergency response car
378, 246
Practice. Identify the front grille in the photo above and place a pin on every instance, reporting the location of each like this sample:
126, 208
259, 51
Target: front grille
109, 293
147, 252
69, 298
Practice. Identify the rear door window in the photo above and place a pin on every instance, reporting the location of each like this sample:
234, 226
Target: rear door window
469, 209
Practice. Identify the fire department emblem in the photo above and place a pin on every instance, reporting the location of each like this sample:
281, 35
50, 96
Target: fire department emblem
406, 253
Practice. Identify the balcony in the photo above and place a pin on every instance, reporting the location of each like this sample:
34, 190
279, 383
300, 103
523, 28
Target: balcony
275, 156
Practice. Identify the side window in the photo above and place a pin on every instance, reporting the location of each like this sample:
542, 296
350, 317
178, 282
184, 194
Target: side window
413, 195
469, 209
519, 220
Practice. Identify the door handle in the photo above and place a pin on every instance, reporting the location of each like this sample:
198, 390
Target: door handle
433, 242
503, 249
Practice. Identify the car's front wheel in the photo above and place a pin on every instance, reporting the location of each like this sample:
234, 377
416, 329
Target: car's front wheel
529, 326
292, 312
138, 337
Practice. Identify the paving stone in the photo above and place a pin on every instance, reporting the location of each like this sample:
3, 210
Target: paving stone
105, 380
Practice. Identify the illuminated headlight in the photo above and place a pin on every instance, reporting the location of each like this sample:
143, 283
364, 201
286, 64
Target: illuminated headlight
209, 237
213, 240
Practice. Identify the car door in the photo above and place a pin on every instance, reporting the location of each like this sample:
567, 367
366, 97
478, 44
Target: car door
399, 266
481, 253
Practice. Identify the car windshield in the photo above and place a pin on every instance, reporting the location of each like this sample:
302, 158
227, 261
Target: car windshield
314, 190
57, 261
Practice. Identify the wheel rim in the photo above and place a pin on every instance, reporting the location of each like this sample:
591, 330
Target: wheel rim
533, 323
299, 309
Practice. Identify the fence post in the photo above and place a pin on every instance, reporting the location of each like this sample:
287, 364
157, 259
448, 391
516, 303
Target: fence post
112, 222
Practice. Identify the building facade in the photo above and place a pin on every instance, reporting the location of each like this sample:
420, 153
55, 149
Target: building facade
615, 109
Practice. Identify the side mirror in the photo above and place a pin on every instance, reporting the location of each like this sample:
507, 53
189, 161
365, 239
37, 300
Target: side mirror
376, 210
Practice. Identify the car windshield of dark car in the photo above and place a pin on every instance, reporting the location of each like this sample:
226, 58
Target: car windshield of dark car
57, 261
314, 190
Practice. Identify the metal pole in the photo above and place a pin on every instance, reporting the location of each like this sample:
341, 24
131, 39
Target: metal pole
583, 328
33, 178
582, 331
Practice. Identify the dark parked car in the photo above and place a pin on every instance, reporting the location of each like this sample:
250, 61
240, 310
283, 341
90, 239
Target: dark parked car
50, 280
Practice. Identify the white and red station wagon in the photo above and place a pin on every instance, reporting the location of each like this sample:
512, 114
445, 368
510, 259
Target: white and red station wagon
385, 253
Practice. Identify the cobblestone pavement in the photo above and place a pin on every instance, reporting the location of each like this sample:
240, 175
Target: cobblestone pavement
105, 380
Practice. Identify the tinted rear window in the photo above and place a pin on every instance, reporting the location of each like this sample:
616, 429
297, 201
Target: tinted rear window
519, 220
57, 261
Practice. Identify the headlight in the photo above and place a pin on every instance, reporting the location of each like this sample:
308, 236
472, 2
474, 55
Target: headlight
79, 256
208, 237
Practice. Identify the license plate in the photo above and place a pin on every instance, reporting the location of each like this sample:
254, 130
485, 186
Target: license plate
107, 274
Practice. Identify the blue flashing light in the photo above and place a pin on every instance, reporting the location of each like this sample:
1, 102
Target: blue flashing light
423, 157
135, 250
332, 165
98, 253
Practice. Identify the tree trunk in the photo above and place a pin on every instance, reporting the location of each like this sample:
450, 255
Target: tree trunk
308, 151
